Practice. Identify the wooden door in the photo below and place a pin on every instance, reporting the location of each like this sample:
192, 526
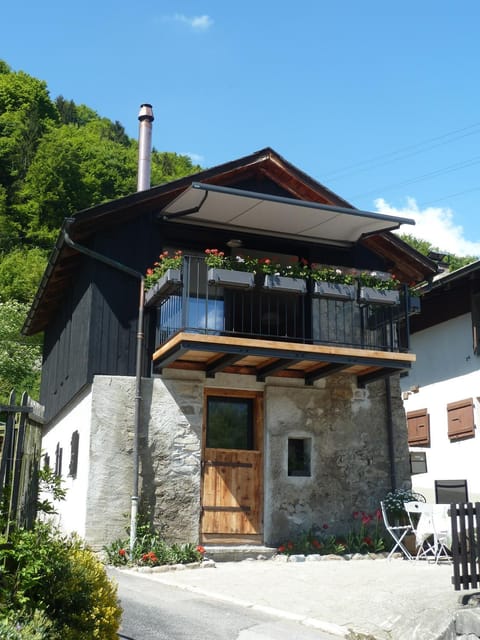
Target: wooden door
232, 467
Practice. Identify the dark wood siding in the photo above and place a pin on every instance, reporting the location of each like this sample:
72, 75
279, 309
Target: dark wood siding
65, 361
95, 329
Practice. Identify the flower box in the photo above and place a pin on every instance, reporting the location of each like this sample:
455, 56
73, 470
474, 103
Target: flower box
334, 290
231, 278
370, 295
284, 284
170, 282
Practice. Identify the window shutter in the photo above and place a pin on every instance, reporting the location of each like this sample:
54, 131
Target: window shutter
418, 428
461, 422
58, 460
72, 471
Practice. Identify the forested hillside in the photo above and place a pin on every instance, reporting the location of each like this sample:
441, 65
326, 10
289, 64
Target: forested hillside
56, 158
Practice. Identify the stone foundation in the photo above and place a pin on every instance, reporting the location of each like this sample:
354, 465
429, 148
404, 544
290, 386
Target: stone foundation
346, 430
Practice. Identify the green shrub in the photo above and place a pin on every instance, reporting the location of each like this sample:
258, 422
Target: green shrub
150, 549
37, 627
87, 602
57, 575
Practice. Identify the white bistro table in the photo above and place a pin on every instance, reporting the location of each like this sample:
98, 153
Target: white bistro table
433, 523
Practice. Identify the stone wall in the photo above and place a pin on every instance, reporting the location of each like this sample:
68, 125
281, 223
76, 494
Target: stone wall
169, 452
350, 467
170, 456
346, 427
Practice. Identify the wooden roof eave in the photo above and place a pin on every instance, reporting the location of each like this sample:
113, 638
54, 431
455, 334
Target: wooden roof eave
408, 264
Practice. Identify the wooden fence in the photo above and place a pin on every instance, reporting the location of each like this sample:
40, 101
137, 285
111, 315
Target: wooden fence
20, 447
465, 519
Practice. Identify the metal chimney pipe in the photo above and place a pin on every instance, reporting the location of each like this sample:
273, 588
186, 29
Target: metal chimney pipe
145, 117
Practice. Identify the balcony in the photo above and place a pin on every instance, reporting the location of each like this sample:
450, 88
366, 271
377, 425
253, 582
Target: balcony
250, 326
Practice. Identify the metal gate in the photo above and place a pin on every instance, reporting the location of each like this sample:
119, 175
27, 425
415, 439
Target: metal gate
20, 447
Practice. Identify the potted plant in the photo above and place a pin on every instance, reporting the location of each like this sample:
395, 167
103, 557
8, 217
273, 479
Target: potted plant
231, 272
394, 503
164, 278
284, 279
378, 288
333, 282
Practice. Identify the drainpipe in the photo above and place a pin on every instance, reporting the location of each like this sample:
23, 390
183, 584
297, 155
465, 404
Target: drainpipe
391, 447
138, 368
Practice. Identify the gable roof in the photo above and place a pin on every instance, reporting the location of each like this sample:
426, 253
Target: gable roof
258, 168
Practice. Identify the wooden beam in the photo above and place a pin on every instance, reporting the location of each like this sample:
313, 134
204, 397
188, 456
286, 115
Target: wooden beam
324, 372
220, 363
375, 375
169, 356
274, 367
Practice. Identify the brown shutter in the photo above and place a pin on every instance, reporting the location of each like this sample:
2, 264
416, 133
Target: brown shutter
461, 422
418, 428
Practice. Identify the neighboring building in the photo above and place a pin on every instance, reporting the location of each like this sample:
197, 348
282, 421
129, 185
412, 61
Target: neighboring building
260, 413
442, 390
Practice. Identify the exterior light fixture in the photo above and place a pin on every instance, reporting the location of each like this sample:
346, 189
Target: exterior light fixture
235, 243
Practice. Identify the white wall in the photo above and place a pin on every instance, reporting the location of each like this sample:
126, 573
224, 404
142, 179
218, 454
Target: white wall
446, 371
76, 417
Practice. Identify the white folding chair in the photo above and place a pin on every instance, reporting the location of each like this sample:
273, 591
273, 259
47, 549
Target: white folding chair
431, 535
398, 533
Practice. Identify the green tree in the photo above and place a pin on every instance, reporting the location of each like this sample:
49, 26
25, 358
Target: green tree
26, 112
424, 247
20, 356
20, 273
57, 157
167, 166
74, 168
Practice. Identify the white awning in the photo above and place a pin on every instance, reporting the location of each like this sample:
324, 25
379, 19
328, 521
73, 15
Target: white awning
248, 211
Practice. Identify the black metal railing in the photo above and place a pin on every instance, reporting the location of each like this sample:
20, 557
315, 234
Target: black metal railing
198, 306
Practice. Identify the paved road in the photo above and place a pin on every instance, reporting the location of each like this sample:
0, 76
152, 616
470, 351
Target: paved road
382, 599
154, 611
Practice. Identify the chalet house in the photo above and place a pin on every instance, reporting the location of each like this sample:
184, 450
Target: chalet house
441, 391
260, 410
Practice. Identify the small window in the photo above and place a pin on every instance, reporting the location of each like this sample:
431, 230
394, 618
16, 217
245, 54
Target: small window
230, 423
46, 461
58, 460
299, 455
461, 423
72, 471
418, 423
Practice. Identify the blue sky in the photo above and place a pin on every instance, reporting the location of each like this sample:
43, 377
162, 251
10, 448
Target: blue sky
377, 100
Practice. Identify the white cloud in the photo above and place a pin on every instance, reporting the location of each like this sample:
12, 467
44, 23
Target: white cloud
199, 23
433, 224
196, 158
